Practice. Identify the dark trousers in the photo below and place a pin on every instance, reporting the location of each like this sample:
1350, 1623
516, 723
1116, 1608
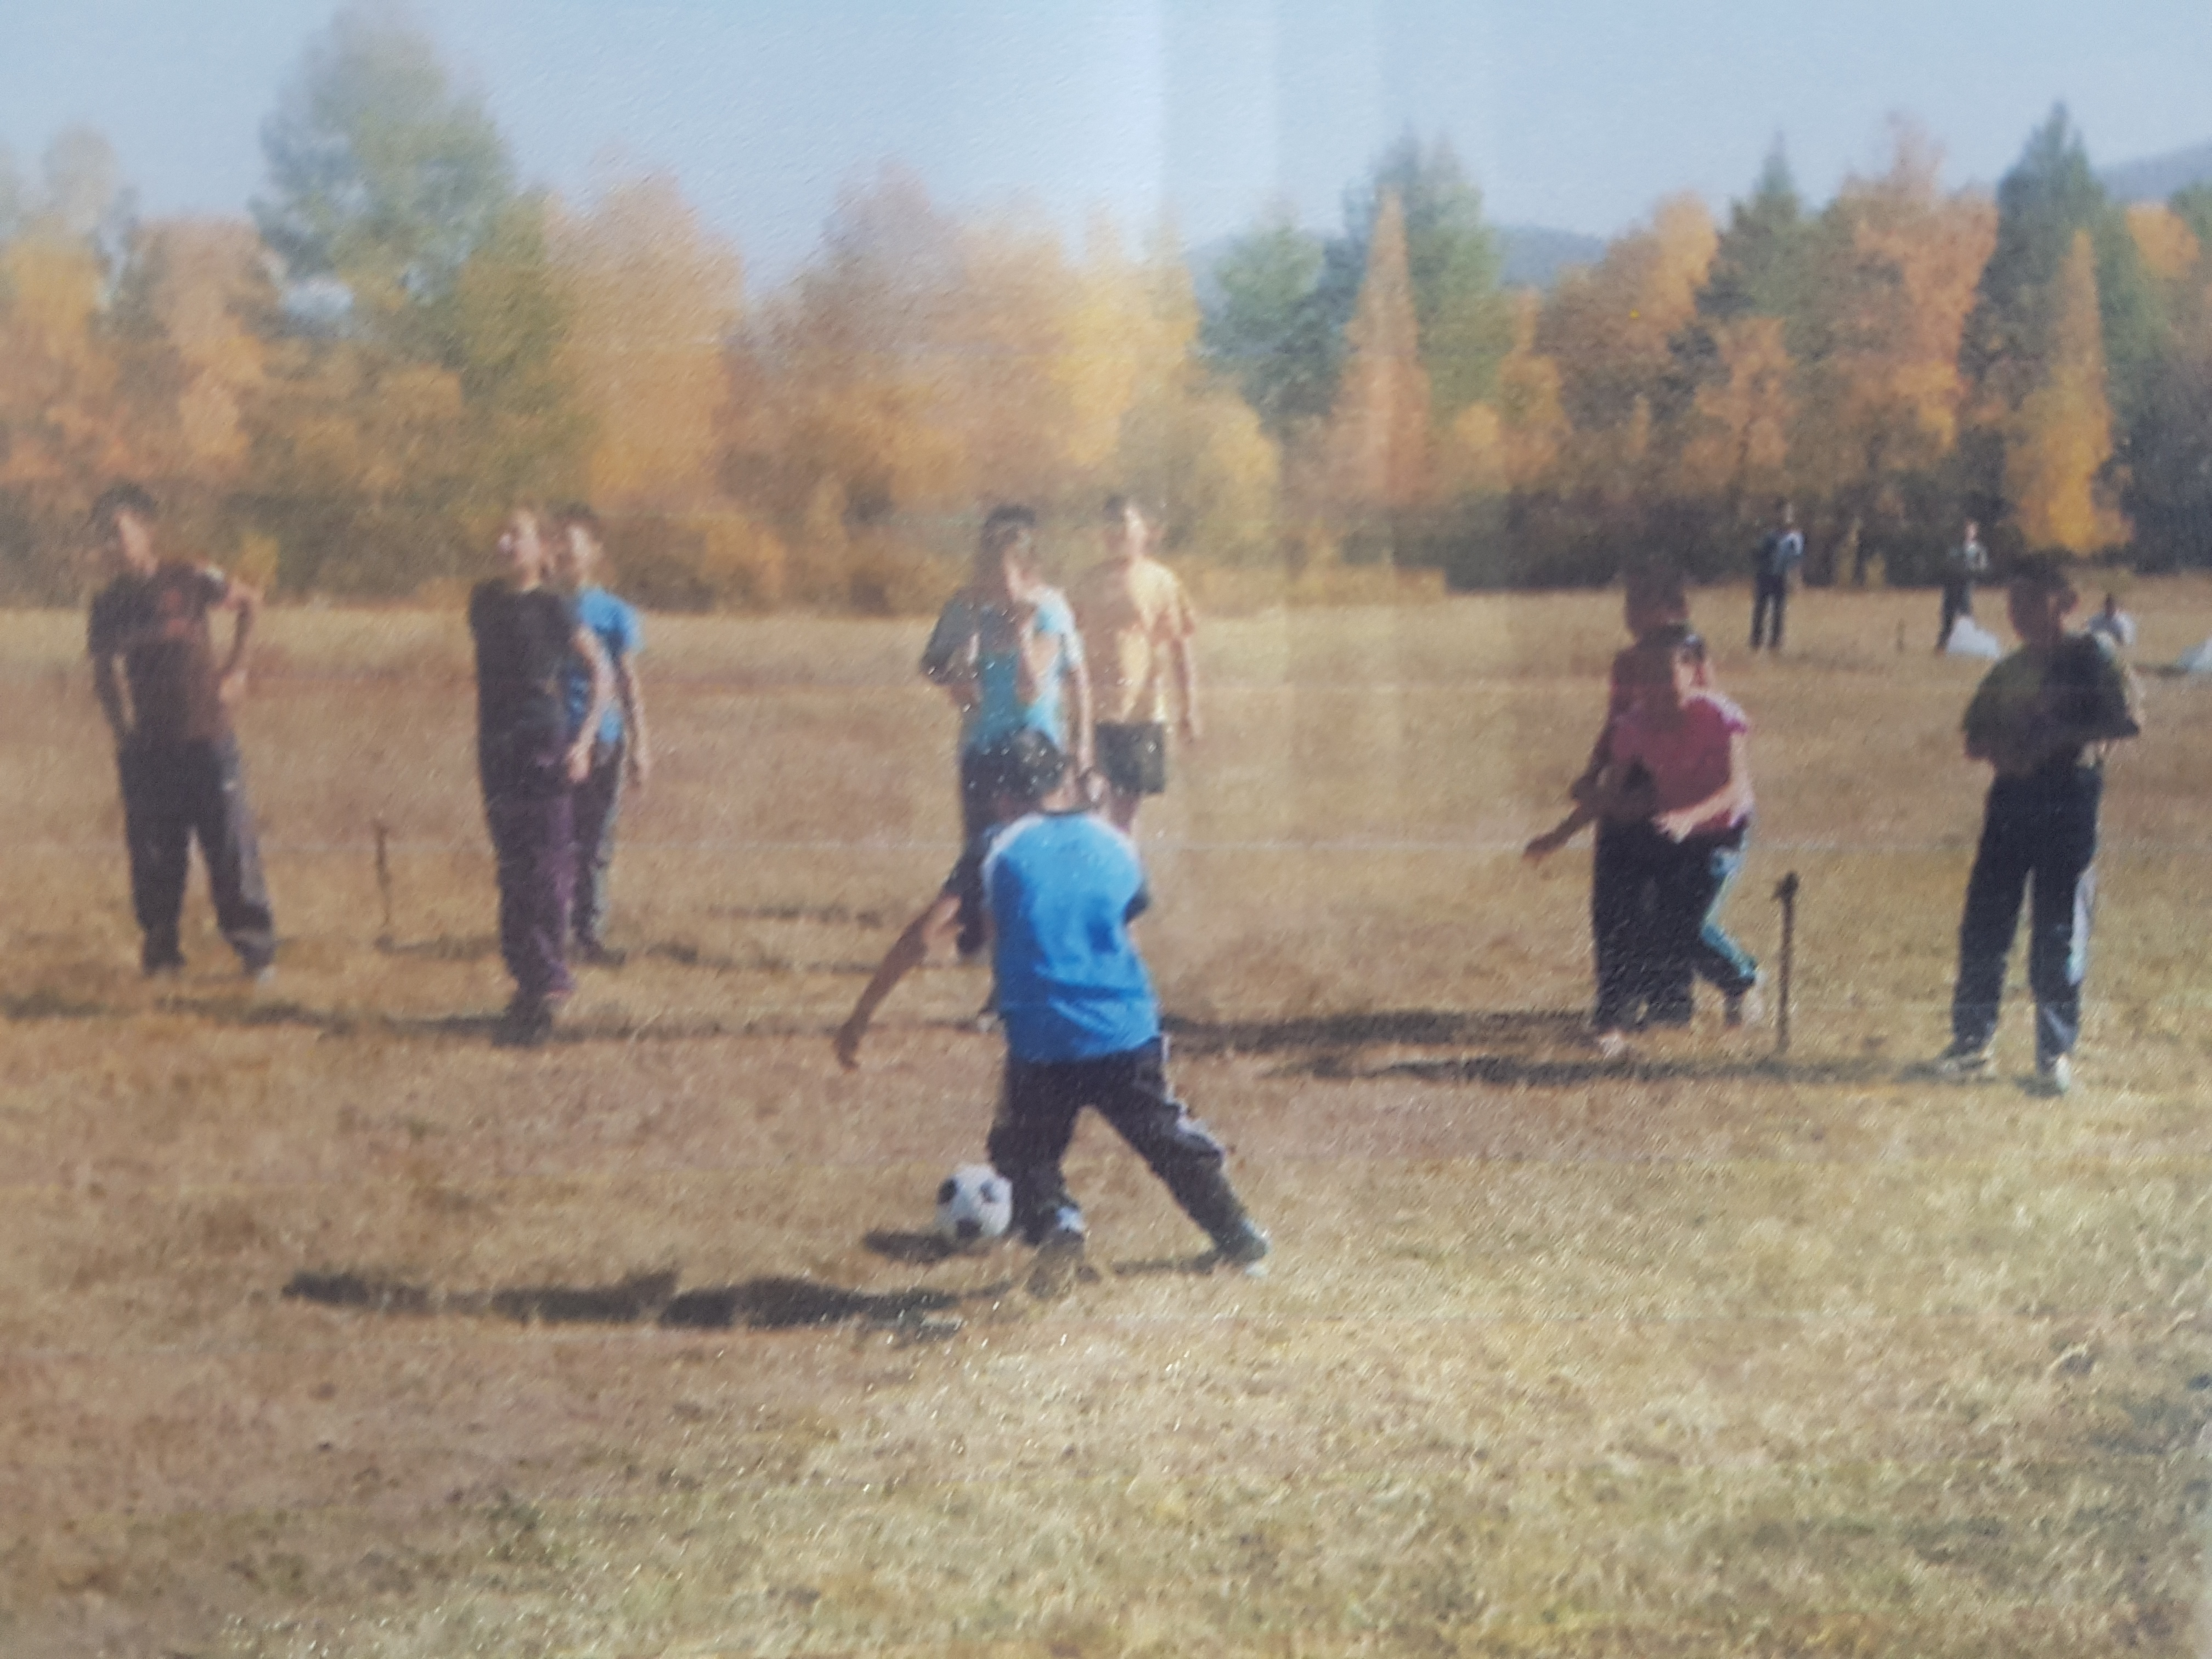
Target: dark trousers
1037, 1119
1655, 922
974, 818
172, 793
2039, 839
1958, 601
598, 808
1770, 599
534, 836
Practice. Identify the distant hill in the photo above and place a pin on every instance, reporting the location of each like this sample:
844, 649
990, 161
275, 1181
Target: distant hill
1534, 256
2158, 177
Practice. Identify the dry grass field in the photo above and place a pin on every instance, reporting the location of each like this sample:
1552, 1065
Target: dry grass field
327, 1327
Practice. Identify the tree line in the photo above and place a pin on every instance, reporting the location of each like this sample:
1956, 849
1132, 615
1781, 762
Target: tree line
342, 395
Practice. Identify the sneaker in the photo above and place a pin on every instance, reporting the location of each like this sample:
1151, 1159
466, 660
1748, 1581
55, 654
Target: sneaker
1958, 1065
263, 978
1745, 1007
1059, 1260
1246, 1249
2054, 1077
1612, 1045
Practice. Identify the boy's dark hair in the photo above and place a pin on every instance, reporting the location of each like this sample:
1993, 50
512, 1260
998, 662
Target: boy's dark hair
580, 514
1006, 526
1025, 764
124, 496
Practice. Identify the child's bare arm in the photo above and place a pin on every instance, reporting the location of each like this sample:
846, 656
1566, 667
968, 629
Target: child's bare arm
1558, 834
908, 952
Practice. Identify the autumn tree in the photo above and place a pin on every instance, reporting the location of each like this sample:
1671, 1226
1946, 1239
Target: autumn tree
1891, 270
65, 416
392, 437
2061, 435
1375, 452
1610, 330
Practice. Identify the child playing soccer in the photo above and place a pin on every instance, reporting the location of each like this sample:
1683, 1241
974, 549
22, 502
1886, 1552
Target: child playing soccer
1692, 744
1654, 600
2042, 719
1081, 1023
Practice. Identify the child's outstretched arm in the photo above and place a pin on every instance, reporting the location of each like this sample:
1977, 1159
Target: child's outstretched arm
908, 952
1558, 834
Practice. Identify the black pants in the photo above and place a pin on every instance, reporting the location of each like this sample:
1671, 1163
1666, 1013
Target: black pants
172, 793
2039, 839
1958, 601
1634, 983
1770, 598
1037, 1119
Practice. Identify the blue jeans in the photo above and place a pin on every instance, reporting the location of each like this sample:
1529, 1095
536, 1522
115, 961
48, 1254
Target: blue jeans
2038, 840
1655, 918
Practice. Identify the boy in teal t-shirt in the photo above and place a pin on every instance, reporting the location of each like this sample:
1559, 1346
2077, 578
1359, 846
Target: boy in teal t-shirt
620, 752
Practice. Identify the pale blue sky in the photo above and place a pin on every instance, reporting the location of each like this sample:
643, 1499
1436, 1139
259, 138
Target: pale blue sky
1576, 113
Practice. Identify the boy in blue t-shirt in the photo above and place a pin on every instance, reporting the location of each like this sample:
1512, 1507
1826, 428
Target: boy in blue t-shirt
620, 752
1082, 1026
1082, 1029
1006, 651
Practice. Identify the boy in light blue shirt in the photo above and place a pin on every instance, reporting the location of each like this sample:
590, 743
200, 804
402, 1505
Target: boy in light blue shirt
620, 751
1006, 651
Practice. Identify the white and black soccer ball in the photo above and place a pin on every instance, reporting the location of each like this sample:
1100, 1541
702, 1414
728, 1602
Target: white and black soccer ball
974, 1203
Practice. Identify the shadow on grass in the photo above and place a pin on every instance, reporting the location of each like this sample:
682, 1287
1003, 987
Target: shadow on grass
680, 953
768, 1304
1524, 1050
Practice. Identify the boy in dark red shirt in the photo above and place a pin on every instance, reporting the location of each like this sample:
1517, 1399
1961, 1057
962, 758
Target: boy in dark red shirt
174, 749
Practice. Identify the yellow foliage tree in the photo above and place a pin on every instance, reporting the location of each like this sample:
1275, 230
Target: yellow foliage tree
655, 298
1894, 276
58, 393
2169, 248
202, 289
1737, 441
1376, 449
2062, 435
1608, 329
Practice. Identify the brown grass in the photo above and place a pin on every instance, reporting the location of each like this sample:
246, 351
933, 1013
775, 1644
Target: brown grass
1701, 1355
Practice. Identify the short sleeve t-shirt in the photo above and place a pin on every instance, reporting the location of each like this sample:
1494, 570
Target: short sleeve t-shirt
158, 624
615, 623
524, 644
1062, 889
2080, 683
1130, 612
1688, 760
972, 633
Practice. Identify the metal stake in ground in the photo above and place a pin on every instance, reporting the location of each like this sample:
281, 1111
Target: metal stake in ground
384, 877
1786, 895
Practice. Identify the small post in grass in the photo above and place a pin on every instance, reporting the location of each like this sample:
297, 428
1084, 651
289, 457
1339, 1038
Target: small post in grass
384, 877
1786, 894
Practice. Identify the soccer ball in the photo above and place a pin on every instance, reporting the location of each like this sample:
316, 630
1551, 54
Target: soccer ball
974, 1203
